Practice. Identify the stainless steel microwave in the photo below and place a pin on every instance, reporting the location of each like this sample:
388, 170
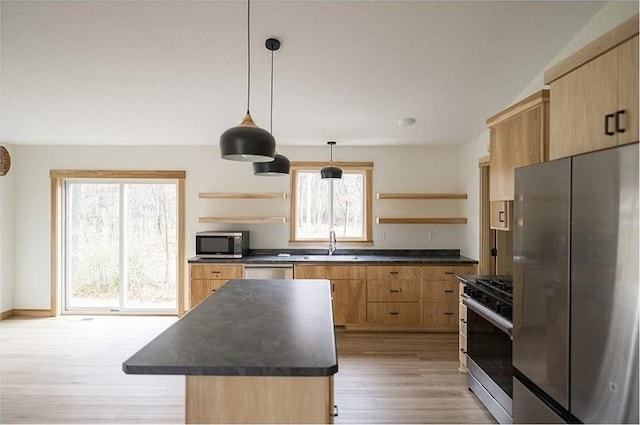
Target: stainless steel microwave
222, 244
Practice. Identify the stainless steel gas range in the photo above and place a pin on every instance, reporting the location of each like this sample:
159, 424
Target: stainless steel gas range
489, 304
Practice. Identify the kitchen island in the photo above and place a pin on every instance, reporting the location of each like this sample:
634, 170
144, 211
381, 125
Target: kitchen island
257, 351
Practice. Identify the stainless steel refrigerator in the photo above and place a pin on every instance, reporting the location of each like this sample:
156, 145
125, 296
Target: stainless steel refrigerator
575, 277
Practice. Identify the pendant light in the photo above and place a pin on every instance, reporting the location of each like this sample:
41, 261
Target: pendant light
247, 142
331, 172
280, 165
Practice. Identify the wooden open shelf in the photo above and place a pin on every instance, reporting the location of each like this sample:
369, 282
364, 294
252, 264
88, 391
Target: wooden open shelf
235, 195
246, 220
421, 220
416, 196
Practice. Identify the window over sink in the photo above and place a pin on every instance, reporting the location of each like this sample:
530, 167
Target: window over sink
318, 205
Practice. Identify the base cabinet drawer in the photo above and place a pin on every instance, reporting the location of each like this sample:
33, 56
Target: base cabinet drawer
390, 291
440, 315
440, 291
217, 271
405, 314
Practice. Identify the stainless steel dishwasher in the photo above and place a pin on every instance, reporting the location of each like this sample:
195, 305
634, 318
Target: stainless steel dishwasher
268, 271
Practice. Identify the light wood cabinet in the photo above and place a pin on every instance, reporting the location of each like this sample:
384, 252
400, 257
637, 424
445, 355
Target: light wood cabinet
518, 137
348, 289
208, 278
500, 215
393, 295
440, 297
595, 94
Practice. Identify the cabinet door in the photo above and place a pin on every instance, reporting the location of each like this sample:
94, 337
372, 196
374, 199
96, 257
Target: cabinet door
500, 218
516, 142
580, 101
349, 301
628, 90
202, 288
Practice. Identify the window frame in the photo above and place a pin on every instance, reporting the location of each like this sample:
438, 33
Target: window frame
364, 167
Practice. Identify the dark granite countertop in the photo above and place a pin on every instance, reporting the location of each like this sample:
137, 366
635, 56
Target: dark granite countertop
449, 256
249, 327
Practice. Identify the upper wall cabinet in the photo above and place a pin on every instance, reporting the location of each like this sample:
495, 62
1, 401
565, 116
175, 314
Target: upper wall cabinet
595, 94
519, 137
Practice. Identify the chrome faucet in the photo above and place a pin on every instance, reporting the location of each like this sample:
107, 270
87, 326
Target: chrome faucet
332, 241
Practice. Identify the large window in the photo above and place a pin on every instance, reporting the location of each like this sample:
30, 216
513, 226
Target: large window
319, 205
119, 242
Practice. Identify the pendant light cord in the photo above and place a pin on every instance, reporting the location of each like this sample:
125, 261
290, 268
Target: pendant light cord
248, 52
271, 106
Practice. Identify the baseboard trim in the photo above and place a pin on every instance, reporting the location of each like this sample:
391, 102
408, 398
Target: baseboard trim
24, 312
6, 314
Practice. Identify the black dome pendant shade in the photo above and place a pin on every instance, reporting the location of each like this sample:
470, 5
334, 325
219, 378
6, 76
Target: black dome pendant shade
330, 172
281, 165
247, 142
278, 167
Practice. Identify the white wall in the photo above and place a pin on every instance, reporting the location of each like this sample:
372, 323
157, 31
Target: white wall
399, 169
7, 237
611, 15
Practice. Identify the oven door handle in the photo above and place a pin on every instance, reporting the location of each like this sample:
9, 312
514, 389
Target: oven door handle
494, 318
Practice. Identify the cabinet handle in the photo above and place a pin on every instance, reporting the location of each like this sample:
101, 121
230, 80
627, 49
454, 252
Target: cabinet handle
335, 410
394, 290
394, 313
618, 128
608, 132
463, 351
463, 321
448, 291
333, 287
448, 272
448, 313
216, 271
501, 216
394, 272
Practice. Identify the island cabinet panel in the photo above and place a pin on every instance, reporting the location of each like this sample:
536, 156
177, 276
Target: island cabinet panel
393, 291
348, 289
393, 314
462, 329
208, 278
259, 399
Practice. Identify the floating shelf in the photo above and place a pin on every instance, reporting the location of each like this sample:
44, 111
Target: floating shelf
421, 220
234, 195
246, 220
421, 196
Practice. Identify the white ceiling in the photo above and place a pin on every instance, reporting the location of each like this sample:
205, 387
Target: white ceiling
174, 73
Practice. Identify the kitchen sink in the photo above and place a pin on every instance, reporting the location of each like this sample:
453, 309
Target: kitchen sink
327, 257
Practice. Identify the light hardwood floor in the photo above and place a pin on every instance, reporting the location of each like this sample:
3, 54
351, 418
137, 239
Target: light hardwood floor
69, 370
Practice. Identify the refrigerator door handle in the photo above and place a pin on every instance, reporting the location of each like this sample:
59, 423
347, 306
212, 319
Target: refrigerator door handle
491, 316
